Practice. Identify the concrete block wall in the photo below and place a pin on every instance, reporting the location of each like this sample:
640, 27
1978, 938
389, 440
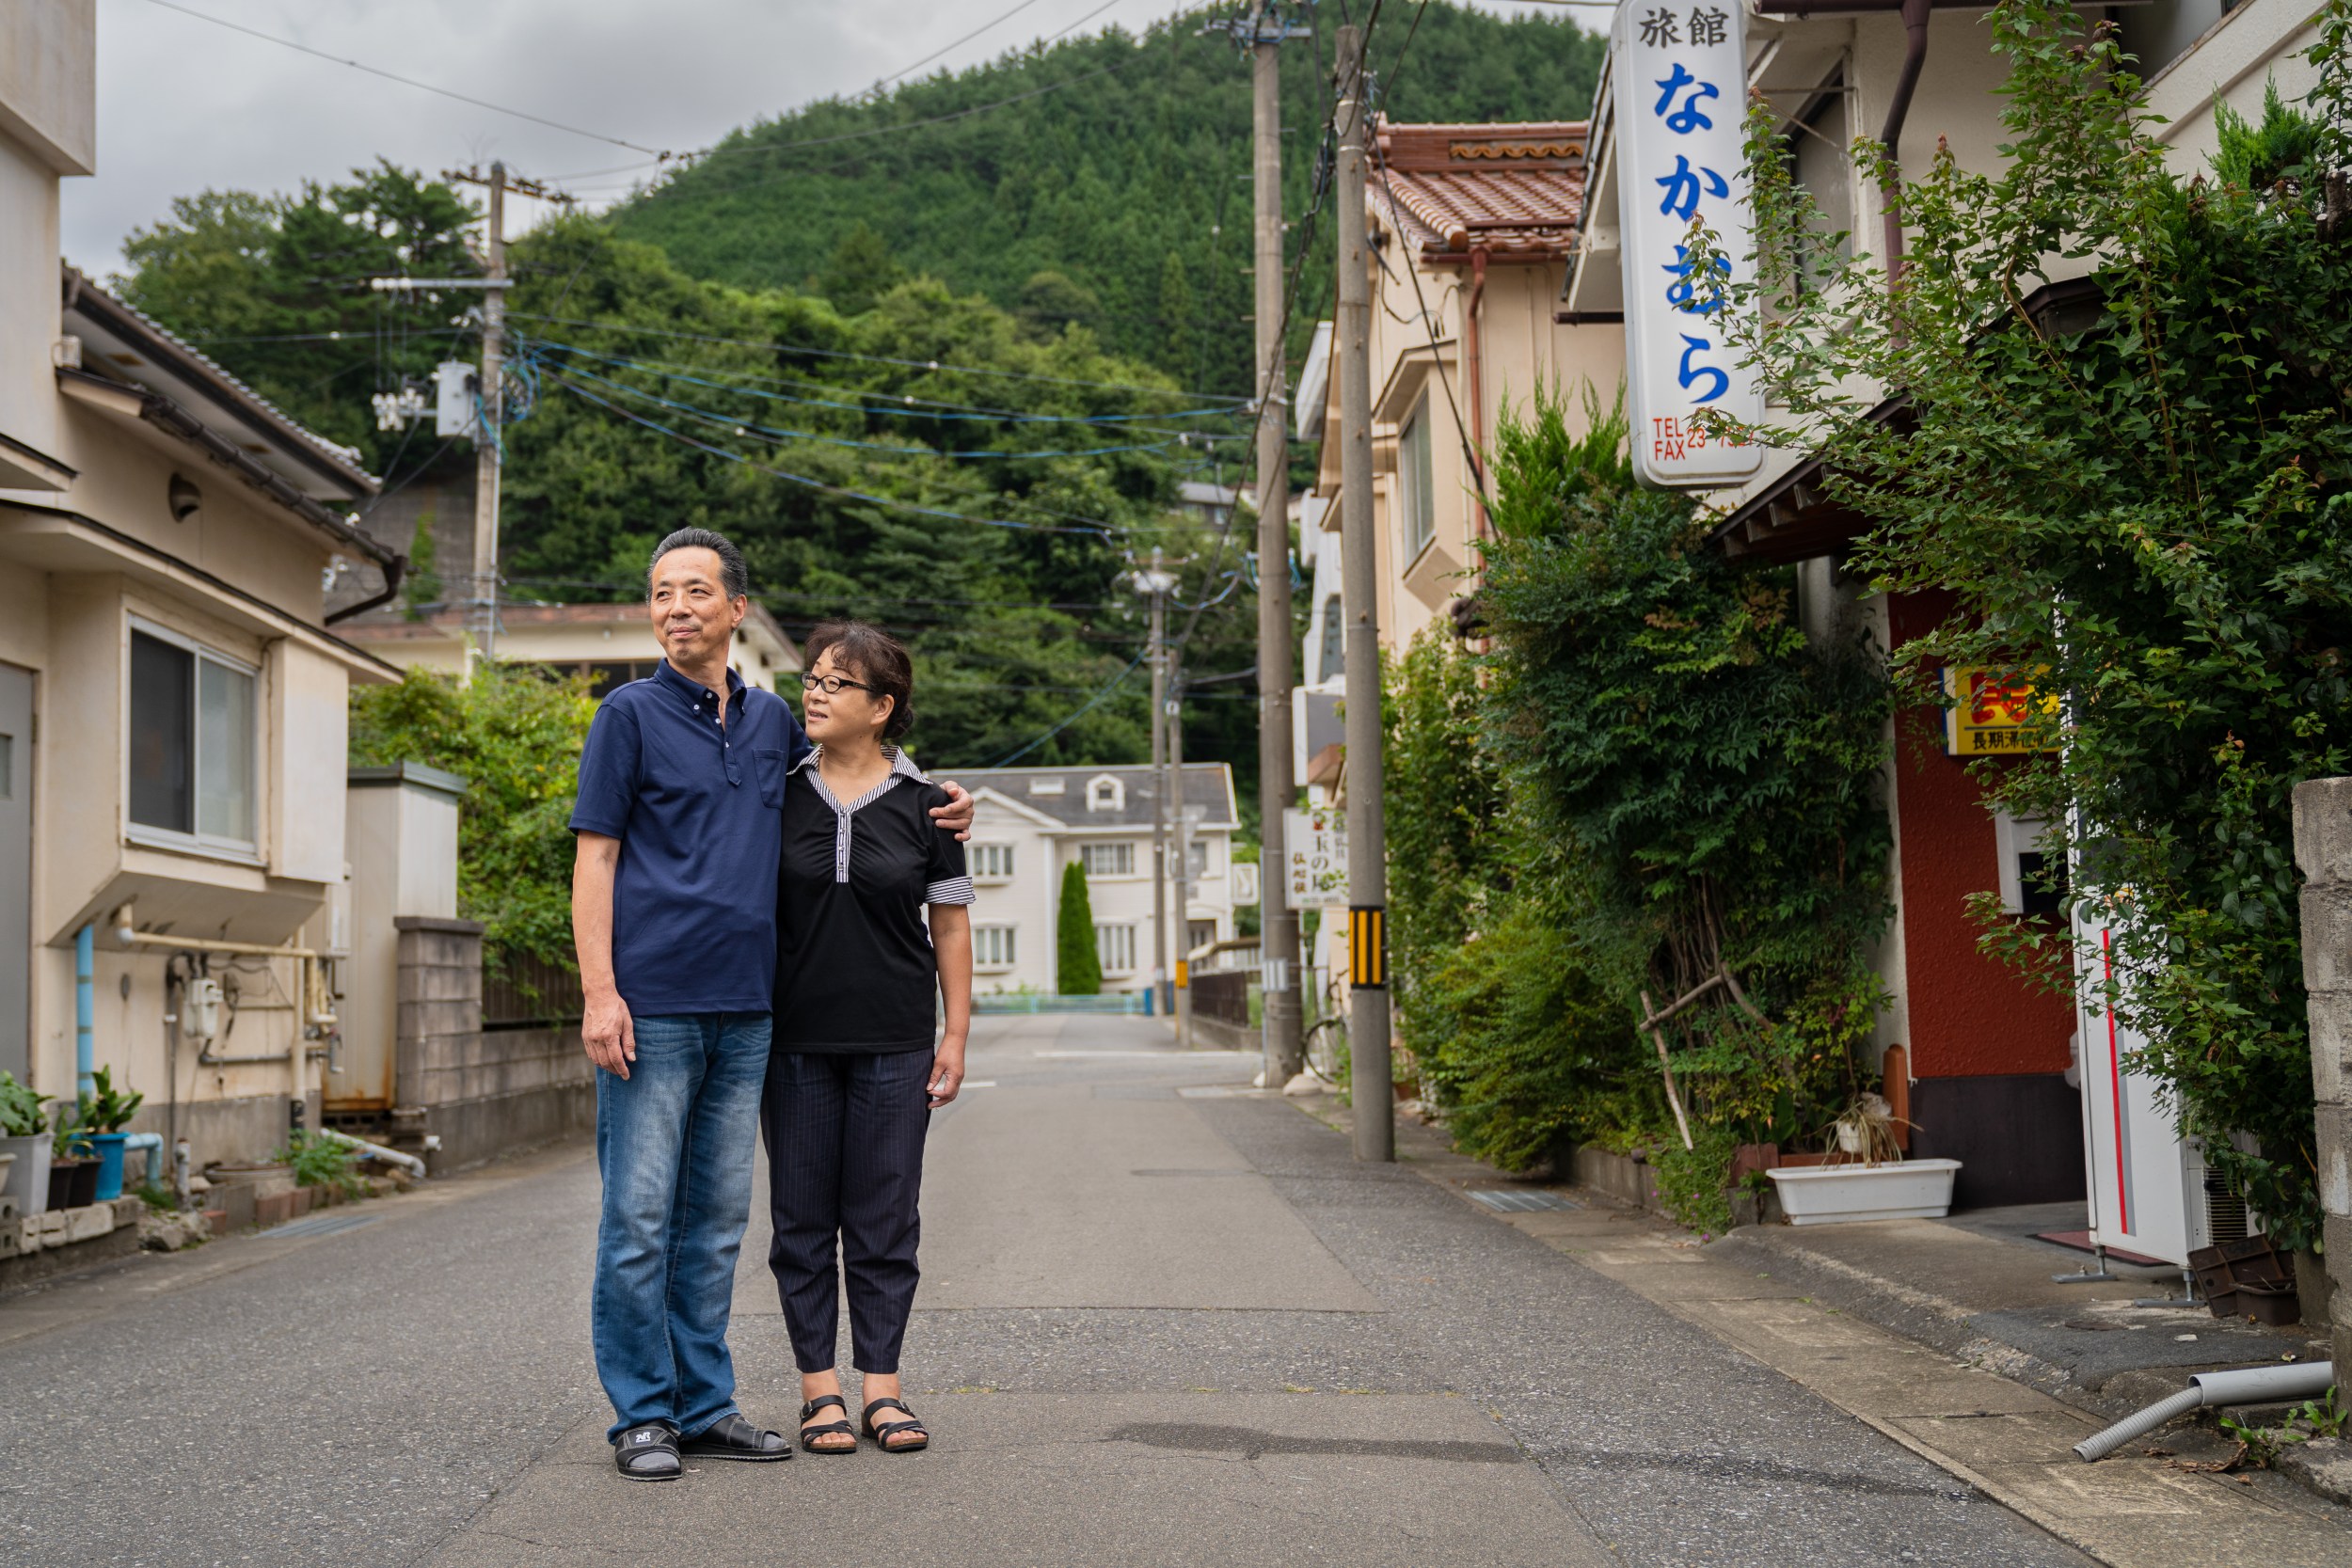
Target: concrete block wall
2322, 848
481, 1093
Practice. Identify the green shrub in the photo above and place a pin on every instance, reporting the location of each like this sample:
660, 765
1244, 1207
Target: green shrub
513, 733
322, 1162
1691, 1182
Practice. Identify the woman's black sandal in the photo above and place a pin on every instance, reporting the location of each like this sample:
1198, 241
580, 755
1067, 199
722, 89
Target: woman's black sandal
647, 1452
820, 1402
884, 1433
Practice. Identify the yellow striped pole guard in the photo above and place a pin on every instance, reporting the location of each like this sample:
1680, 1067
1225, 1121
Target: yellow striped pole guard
1368, 947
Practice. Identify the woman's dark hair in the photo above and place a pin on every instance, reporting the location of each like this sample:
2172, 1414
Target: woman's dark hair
733, 577
874, 657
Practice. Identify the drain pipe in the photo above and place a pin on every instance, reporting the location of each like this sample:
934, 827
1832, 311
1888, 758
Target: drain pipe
1474, 381
2253, 1385
408, 1163
1914, 14
1915, 20
84, 964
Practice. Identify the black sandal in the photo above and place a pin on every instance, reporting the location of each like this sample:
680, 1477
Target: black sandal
648, 1452
887, 1430
842, 1426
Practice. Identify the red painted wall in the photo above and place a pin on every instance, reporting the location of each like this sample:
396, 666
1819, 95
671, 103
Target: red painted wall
1970, 1016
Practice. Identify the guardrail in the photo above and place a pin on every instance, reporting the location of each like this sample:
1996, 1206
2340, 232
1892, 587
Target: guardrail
1136, 1002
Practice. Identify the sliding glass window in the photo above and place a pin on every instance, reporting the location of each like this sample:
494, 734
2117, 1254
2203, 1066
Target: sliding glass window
192, 745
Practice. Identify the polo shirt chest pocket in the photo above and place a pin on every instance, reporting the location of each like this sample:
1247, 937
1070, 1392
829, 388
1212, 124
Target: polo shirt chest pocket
769, 767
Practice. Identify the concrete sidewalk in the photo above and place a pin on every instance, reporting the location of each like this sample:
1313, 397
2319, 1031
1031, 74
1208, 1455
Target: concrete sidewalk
1978, 1286
1907, 1327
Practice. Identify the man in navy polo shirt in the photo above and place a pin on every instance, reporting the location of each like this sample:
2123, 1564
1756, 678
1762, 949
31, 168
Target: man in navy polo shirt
674, 909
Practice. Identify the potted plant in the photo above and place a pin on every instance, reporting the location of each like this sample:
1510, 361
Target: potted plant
1868, 1178
23, 1132
102, 1115
72, 1171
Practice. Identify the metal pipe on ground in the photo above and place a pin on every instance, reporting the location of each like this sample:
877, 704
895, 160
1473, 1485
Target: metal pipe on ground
408, 1163
2250, 1386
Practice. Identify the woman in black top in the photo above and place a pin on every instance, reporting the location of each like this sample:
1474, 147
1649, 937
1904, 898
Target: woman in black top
855, 1075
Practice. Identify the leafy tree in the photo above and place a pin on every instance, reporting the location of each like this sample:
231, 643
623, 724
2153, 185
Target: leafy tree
1077, 966
276, 288
2142, 506
862, 270
1511, 1033
515, 736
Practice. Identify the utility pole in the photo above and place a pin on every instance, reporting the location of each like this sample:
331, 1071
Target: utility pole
1179, 871
1154, 583
1278, 925
1367, 841
489, 448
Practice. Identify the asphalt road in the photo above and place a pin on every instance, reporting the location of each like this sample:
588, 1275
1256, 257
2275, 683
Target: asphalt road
1161, 1323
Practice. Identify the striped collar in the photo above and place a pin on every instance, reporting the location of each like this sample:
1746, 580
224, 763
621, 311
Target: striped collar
901, 766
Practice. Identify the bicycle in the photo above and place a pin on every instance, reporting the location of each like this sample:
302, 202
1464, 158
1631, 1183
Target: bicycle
1323, 1042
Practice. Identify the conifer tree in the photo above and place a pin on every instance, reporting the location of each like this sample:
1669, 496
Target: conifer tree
1077, 967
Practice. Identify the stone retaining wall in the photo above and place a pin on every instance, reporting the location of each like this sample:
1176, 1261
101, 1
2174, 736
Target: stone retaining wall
2322, 848
481, 1093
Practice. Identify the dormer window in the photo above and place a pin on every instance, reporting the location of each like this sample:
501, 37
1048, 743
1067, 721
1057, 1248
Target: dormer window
1105, 793
1046, 786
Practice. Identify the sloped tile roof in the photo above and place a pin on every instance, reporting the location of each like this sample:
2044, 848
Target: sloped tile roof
81, 292
1514, 190
1206, 784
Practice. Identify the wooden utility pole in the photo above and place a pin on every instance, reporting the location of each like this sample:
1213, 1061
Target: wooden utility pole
488, 447
1277, 923
1367, 841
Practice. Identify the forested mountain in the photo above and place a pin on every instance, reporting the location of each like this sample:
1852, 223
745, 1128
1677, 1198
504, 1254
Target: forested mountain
1110, 187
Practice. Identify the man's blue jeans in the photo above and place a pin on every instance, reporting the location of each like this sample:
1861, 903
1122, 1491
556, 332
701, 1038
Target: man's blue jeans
675, 1141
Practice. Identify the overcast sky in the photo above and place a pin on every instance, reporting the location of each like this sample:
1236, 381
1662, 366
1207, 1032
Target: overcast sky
186, 105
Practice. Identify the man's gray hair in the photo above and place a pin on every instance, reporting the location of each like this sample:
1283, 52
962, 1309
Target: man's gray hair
733, 576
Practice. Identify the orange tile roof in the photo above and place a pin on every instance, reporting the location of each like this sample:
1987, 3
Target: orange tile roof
1516, 191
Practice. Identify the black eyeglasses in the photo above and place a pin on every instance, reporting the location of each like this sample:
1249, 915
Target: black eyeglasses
832, 684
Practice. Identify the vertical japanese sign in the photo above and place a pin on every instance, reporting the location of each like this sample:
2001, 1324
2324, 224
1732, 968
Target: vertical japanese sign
1315, 843
1680, 86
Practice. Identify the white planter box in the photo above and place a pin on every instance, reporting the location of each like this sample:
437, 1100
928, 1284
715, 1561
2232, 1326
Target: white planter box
1837, 1195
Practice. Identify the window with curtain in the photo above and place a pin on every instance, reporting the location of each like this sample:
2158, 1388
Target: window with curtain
1108, 859
991, 947
1115, 946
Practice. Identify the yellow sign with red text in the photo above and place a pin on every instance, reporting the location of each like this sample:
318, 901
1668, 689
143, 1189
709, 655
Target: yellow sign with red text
1996, 713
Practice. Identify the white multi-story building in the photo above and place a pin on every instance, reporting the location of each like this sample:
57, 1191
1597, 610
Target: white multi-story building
1032, 822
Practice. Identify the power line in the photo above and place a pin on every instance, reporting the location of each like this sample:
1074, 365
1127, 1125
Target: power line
1082, 710
658, 154
1096, 528
946, 49
747, 427
776, 346
900, 404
